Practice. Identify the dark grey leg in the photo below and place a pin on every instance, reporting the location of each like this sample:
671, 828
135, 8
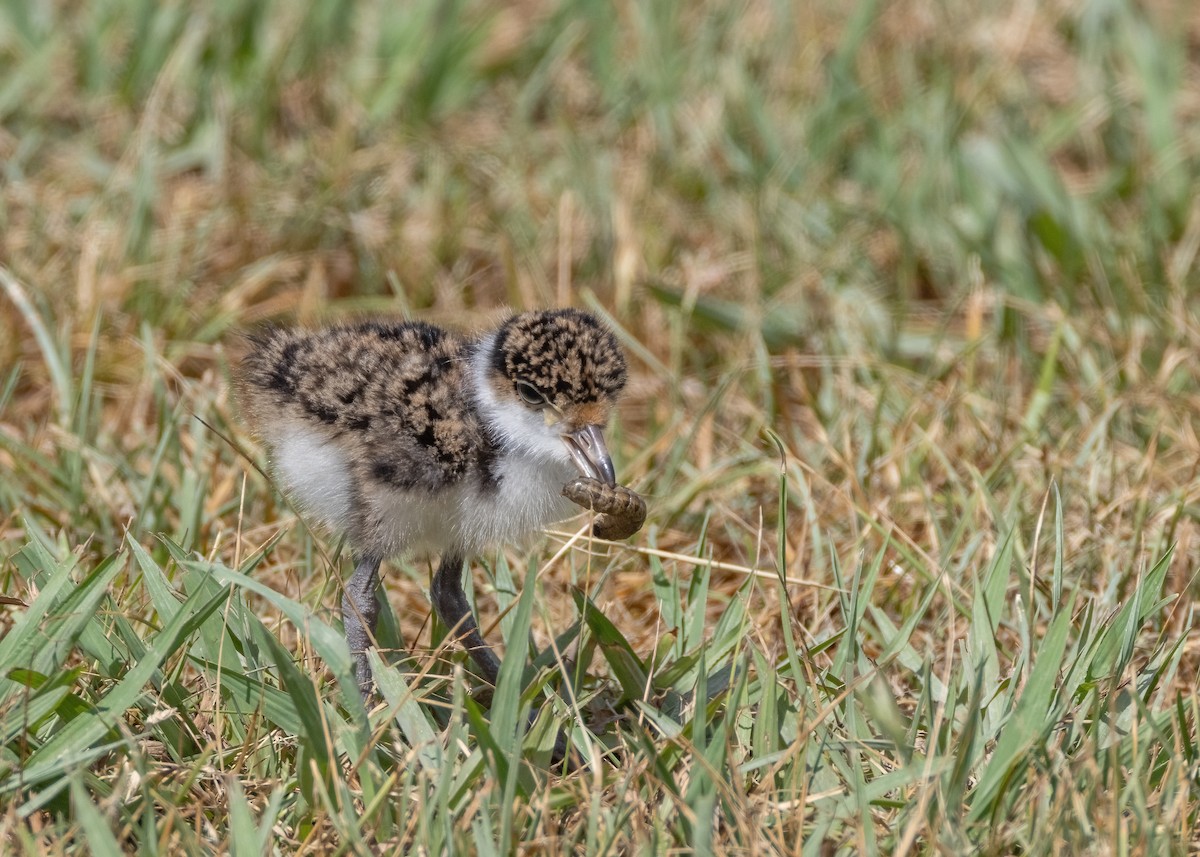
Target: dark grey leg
452, 608
360, 611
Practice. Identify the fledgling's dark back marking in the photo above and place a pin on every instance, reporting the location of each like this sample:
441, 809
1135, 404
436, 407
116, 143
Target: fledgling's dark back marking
389, 392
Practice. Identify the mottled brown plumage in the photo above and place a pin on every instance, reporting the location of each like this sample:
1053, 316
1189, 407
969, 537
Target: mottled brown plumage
408, 437
566, 356
394, 396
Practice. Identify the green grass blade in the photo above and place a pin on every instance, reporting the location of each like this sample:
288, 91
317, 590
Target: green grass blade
99, 836
57, 364
1030, 722
414, 722
47, 648
71, 744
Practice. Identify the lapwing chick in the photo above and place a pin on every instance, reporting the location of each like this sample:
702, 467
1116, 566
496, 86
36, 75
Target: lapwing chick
412, 439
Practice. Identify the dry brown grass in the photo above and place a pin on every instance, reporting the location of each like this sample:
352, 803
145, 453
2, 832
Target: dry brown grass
864, 241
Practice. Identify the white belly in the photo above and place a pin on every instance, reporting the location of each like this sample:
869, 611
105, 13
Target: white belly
315, 473
463, 517
529, 498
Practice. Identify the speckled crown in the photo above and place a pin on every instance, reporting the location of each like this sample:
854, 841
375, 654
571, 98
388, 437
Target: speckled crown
567, 354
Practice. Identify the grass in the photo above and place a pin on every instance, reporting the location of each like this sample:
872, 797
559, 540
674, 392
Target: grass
910, 296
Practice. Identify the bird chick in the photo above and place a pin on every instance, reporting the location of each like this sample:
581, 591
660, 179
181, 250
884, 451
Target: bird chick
413, 439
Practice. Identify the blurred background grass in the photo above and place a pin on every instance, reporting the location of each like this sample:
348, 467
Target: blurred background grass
945, 253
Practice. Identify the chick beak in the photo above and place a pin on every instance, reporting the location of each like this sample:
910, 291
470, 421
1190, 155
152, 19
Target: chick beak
590, 455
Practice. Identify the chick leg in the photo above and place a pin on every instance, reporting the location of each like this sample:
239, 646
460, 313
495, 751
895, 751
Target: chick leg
452, 608
360, 612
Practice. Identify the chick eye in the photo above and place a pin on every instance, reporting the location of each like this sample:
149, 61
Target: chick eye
530, 394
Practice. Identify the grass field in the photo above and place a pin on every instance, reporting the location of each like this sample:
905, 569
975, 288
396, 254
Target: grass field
911, 300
